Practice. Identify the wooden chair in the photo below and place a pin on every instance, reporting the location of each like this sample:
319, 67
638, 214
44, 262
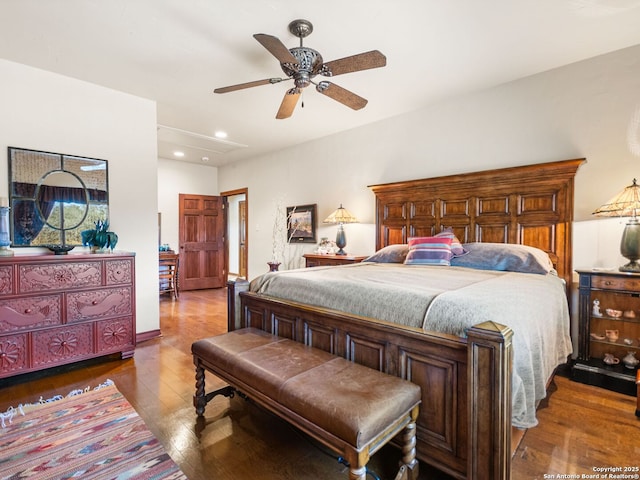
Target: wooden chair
168, 273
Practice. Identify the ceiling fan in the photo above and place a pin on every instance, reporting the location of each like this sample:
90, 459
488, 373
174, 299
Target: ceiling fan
302, 64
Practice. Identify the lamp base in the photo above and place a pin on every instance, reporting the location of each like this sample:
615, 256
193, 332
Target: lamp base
630, 245
341, 240
632, 266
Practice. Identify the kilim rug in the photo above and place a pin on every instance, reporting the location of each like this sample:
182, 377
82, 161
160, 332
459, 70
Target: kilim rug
89, 434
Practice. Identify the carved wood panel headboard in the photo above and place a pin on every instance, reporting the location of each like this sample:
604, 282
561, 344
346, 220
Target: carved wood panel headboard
530, 205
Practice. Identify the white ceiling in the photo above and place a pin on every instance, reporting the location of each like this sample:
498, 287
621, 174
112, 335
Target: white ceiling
177, 51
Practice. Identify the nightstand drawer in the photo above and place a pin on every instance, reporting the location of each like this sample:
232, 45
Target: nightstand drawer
615, 283
318, 260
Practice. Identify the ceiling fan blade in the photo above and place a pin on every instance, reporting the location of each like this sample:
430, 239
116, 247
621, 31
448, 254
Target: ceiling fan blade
276, 48
241, 86
288, 103
354, 63
342, 95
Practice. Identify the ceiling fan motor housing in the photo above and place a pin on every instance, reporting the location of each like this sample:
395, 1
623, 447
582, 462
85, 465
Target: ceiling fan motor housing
309, 65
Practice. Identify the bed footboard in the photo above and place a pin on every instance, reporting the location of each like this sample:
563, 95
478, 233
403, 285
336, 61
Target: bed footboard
464, 426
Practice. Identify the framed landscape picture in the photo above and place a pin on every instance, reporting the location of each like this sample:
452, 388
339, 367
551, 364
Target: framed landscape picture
301, 224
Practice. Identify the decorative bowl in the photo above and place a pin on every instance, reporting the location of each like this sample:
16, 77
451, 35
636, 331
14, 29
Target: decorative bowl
596, 336
614, 313
60, 249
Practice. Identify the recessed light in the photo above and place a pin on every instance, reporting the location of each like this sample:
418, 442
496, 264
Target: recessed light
220, 134
178, 154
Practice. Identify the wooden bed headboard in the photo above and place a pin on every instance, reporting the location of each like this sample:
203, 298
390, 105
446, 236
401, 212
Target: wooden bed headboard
530, 205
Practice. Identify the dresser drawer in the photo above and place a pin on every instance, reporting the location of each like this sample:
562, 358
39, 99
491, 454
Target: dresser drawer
112, 335
59, 345
97, 304
615, 283
27, 313
13, 354
59, 276
6, 280
119, 272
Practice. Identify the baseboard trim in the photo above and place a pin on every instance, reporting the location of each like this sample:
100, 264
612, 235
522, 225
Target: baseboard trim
144, 336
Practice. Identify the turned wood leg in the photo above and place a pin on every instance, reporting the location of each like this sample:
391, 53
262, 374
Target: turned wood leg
358, 473
199, 399
409, 466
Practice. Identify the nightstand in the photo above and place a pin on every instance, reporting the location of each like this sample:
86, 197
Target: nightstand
316, 259
609, 326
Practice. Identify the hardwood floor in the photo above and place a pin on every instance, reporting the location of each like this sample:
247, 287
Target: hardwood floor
581, 427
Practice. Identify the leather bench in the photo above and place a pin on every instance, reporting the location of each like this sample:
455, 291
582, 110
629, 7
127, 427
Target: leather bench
352, 409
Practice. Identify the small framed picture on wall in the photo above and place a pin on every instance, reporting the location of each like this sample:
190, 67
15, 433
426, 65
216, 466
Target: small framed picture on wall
301, 224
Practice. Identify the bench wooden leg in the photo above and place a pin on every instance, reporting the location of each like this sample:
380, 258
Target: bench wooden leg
409, 462
200, 399
359, 473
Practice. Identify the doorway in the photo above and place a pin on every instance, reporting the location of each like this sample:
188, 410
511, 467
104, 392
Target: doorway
237, 203
202, 242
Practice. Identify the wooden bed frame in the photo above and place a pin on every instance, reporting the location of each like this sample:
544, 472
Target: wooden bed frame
464, 427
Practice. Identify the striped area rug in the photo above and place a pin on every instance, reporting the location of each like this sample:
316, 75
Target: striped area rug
91, 434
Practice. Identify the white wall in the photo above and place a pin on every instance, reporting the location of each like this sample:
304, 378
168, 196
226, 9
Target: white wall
45, 111
589, 109
176, 177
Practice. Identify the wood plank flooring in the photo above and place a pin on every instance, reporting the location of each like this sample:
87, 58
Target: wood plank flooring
581, 427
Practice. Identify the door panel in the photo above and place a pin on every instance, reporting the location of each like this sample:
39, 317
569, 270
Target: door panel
201, 234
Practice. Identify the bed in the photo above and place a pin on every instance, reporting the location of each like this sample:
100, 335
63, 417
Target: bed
472, 363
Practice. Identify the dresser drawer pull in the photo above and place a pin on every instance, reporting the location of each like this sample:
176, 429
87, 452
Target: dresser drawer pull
608, 282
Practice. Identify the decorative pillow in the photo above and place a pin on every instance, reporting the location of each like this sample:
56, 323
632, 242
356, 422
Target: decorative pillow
456, 247
505, 256
390, 254
429, 251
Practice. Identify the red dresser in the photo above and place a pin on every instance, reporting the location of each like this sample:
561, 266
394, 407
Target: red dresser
59, 309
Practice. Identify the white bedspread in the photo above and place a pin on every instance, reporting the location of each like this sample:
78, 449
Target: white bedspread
448, 300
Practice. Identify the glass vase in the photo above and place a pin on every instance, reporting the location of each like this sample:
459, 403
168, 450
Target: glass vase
5, 239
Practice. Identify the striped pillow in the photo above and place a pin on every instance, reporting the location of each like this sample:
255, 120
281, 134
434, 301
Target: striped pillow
456, 247
429, 251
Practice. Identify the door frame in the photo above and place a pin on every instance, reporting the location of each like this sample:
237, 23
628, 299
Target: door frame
225, 195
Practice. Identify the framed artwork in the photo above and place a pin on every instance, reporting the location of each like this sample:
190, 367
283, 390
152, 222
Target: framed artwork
301, 224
